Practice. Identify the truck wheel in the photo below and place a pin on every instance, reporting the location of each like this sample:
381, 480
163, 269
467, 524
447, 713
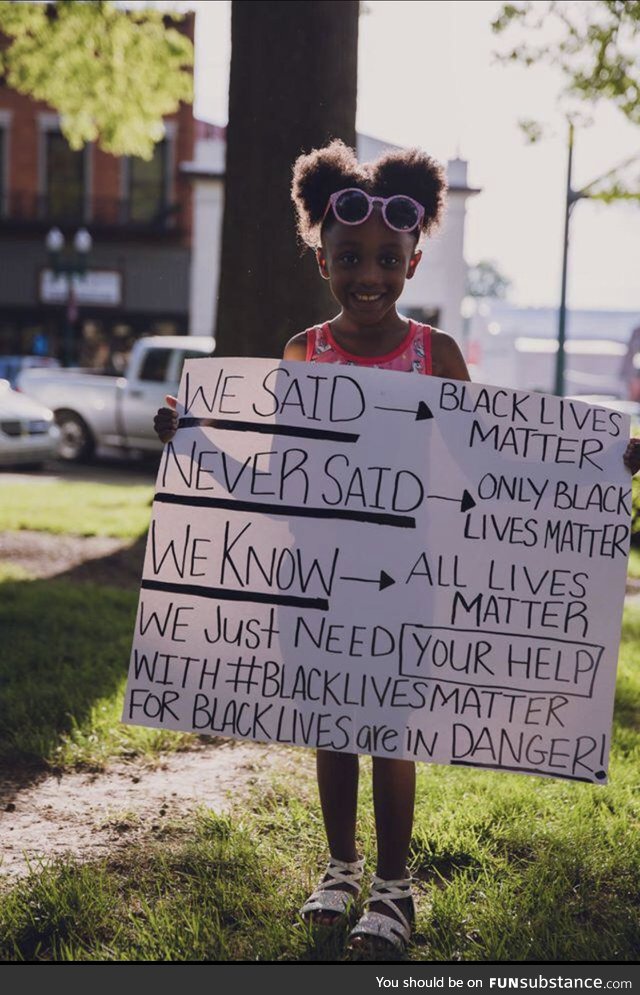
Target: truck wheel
76, 443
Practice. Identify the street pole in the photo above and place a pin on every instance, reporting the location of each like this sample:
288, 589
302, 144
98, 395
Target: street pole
562, 312
571, 198
74, 265
71, 314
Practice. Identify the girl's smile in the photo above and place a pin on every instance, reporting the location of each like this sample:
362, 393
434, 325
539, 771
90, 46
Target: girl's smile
367, 266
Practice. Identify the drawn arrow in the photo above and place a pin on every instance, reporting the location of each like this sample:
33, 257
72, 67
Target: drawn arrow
421, 414
384, 580
466, 502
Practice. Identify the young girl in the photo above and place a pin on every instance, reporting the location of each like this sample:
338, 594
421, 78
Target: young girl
365, 223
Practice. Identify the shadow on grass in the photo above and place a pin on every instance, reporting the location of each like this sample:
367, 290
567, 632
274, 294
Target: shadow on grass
122, 569
439, 869
66, 646
627, 700
557, 903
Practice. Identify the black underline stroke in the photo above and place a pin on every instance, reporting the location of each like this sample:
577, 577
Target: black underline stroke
224, 594
268, 429
290, 510
524, 770
497, 687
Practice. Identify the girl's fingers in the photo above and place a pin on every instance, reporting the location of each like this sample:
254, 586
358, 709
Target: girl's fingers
171, 401
165, 423
165, 417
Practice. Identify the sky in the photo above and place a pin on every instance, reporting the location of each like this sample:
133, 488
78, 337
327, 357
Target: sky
442, 89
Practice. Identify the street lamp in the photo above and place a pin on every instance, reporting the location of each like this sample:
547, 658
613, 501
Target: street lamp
571, 198
71, 265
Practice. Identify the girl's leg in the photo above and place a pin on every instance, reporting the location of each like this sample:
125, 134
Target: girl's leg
338, 786
394, 787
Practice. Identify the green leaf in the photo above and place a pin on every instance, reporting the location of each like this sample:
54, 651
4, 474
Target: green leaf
111, 75
595, 45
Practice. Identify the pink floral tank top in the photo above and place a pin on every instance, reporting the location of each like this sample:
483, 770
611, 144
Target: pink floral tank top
413, 355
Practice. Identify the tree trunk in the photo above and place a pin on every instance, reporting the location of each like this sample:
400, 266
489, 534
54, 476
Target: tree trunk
293, 86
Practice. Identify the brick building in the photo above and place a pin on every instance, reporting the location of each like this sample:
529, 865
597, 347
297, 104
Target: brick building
139, 215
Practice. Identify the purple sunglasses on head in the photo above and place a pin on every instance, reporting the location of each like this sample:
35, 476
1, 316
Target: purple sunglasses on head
353, 206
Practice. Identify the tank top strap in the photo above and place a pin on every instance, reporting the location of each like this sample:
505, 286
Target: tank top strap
316, 342
416, 351
426, 346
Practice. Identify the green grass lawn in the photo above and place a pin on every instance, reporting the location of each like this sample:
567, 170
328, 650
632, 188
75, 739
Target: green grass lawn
633, 569
77, 508
62, 684
513, 868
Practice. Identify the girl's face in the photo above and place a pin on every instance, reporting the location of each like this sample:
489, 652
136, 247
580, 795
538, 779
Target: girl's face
367, 265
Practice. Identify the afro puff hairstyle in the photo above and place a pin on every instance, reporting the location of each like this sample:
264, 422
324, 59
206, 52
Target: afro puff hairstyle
321, 172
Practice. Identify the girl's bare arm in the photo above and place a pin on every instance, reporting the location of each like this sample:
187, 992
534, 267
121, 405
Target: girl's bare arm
447, 360
296, 348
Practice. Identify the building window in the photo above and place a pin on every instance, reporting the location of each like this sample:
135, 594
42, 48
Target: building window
65, 179
148, 185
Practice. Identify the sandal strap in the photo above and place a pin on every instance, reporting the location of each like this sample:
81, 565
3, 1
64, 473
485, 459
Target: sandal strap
343, 872
376, 924
387, 892
328, 898
328, 901
381, 889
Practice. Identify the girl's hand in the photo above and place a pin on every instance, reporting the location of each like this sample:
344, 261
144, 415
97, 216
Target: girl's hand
165, 422
632, 456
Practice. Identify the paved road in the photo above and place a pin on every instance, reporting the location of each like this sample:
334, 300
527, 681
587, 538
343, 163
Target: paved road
108, 470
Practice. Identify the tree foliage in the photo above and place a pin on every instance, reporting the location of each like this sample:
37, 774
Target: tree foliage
111, 74
485, 280
597, 46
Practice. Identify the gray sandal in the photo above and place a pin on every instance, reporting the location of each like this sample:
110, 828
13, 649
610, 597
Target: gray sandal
396, 932
327, 898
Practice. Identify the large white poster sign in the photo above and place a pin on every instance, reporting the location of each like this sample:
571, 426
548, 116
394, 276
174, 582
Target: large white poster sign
386, 563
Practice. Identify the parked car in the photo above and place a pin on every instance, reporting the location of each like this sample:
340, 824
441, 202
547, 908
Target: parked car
11, 366
28, 433
93, 410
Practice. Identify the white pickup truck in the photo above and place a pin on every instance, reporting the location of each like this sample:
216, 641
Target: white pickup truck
95, 411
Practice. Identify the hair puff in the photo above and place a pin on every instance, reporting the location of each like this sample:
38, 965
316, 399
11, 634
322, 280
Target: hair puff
416, 174
321, 172
316, 176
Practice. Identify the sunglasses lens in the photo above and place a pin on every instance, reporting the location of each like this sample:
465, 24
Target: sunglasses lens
351, 206
402, 213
